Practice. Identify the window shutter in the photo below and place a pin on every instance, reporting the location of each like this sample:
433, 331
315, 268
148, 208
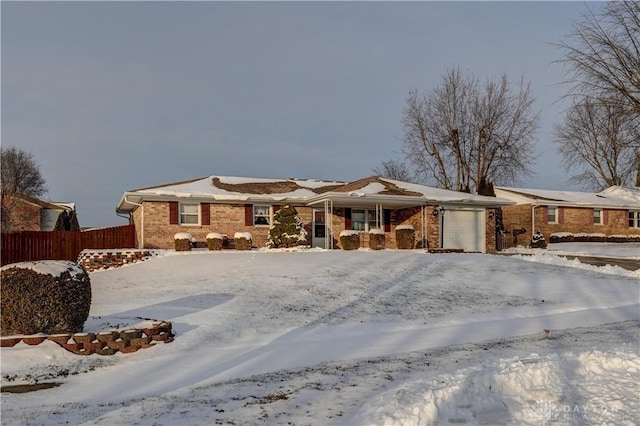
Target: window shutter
276, 208
205, 213
605, 217
545, 213
248, 215
627, 218
173, 213
560, 214
387, 220
347, 219
593, 217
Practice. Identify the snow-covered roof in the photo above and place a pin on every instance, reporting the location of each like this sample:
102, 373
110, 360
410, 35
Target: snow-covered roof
244, 189
612, 197
377, 189
230, 188
632, 194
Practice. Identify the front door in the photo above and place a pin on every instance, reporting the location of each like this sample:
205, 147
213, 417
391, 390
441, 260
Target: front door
319, 229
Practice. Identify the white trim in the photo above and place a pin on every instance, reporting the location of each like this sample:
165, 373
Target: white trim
600, 217
556, 219
180, 213
269, 215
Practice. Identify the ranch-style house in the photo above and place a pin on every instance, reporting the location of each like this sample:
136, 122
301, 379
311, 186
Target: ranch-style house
609, 215
440, 218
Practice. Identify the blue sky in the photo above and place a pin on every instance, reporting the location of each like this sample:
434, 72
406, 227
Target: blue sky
113, 96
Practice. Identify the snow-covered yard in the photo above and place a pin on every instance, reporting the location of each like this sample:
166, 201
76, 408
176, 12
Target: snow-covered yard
350, 338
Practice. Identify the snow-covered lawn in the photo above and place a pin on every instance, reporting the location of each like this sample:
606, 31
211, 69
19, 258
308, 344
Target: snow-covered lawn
335, 337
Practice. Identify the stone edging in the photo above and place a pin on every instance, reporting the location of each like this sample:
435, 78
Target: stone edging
101, 343
95, 260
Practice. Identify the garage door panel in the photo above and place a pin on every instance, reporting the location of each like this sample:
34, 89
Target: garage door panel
463, 229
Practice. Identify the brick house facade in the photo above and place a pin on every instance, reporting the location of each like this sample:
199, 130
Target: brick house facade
610, 213
26, 213
228, 205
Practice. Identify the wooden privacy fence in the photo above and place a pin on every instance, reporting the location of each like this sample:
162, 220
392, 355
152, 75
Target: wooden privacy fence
26, 246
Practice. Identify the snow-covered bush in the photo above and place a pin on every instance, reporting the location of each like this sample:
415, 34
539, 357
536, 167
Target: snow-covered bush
376, 239
561, 237
586, 237
538, 241
183, 241
287, 229
215, 241
349, 240
405, 237
243, 240
46, 296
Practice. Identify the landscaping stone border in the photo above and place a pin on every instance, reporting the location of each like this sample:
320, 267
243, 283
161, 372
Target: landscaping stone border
95, 260
101, 343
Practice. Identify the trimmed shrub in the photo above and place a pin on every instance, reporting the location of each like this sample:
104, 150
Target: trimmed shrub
243, 240
47, 296
182, 241
583, 237
287, 229
349, 240
215, 241
561, 237
618, 239
405, 237
376, 239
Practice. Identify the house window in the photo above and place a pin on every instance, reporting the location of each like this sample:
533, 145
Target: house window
363, 220
261, 215
634, 218
552, 214
189, 214
597, 216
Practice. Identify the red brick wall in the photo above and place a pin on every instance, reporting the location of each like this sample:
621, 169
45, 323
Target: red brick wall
571, 219
25, 217
490, 223
225, 219
229, 219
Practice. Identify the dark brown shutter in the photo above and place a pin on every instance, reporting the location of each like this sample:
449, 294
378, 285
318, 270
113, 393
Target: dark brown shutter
205, 212
248, 215
560, 214
276, 208
593, 217
387, 220
347, 219
545, 213
174, 218
605, 217
627, 219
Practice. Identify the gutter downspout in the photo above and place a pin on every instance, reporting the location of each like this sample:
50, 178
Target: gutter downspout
142, 220
533, 218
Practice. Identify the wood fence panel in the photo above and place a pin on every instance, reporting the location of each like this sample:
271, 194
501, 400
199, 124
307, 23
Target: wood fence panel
27, 246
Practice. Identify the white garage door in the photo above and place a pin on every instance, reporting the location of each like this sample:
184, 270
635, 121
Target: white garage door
464, 229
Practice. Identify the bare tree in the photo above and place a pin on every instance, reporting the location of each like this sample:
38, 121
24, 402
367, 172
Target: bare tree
394, 169
603, 54
464, 131
19, 175
597, 142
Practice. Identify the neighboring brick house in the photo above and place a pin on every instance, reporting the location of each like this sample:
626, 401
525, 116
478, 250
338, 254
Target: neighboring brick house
26, 213
440, 218
612, 212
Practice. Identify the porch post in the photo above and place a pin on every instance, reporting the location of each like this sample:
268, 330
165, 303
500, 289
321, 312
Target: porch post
328, 224
424, 239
